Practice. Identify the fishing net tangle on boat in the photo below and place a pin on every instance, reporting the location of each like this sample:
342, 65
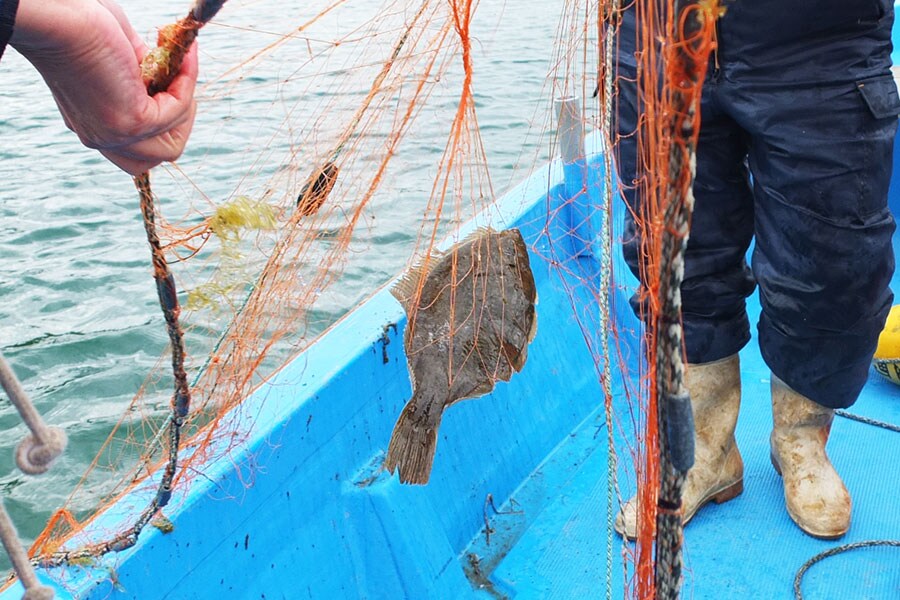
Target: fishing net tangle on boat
258, 257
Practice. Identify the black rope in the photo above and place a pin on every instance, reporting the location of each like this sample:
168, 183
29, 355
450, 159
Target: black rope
831, 552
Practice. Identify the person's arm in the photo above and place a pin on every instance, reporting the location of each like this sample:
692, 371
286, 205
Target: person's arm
89, 56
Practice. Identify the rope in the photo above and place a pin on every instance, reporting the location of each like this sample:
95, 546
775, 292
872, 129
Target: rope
798, 594
684, 73
205, 10
174, 41
37, 451
19, 559
798, 579
606, 268
868, 420
159, 68
376, 85
34, 456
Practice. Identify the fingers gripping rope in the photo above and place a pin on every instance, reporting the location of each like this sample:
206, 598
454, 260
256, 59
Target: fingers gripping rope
159, 68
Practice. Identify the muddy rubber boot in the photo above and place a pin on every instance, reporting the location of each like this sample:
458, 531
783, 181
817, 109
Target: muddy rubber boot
718, 471
814, 494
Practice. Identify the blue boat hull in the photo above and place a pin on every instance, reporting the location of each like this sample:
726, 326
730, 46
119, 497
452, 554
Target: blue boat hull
518, 500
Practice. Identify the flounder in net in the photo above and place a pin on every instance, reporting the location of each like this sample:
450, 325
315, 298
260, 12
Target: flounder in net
468, 328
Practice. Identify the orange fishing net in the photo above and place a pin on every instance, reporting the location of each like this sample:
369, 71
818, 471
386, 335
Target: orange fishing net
672, 45
269, 257
257, 267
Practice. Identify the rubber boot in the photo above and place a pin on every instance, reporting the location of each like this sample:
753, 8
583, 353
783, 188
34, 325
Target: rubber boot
814, 494
718, 471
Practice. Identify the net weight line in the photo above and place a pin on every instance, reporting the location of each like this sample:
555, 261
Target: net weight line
687, 59
159, 68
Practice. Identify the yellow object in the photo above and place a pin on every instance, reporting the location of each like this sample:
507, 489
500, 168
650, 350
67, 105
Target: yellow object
887, 354
239, 214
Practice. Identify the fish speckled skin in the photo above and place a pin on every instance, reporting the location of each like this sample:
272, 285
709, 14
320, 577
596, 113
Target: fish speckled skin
469, 328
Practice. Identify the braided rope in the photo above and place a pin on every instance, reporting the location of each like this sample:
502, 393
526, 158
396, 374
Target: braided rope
868, 420
798, 594
606, 268
685, 74
798, 578
159, 68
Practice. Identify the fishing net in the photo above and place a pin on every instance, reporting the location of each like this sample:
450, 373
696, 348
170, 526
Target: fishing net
260, 261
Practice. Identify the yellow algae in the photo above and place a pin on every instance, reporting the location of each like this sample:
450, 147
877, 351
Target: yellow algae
240, 214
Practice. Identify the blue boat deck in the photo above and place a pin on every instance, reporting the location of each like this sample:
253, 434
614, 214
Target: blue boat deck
746, 548
517, 505
551, 540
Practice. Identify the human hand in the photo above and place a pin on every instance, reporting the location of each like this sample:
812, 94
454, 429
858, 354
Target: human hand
89, 55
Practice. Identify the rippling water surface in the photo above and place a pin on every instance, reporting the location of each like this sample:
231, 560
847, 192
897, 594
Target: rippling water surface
79, 319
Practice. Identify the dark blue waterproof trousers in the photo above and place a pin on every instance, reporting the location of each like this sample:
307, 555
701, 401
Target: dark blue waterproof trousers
799, 113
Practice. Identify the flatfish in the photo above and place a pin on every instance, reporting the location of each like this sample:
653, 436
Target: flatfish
468, 327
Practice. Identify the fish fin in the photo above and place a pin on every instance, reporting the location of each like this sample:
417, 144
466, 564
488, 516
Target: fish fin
412, 447
404, 290
522, 356
515, 357
482, 231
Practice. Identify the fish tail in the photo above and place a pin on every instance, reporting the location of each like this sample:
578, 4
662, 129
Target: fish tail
412, 446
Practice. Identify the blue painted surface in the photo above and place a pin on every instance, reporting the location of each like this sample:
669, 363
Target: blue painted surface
308, 513
747, 548
302, 510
